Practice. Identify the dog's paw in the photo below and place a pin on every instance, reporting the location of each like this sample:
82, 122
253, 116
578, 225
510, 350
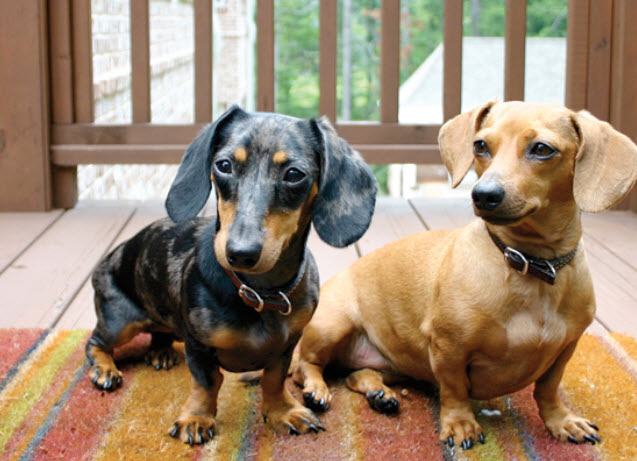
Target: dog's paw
316, 395
572, 428
193, 430
105, 378
382, 401
465, 432
164, 358
318, 403
292, 419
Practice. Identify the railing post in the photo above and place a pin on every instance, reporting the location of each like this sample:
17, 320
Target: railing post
389, 60
25, 173
140, 60
452, 56
64, 179
623, 107
265, 56
328, 58
577, 54
514, 50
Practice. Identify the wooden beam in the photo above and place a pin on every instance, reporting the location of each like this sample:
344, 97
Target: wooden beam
265, 56
577, 54
389, 60
25, 177
203, 60
65, 155
140, 60
63, 179
328, 58
149, 134
514, 50
452, 56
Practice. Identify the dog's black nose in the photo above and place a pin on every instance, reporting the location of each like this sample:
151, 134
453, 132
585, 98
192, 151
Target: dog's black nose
487, 195
243, 255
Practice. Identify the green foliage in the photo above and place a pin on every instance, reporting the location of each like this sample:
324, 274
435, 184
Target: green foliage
297, 57
421, 28
297, 47
545, 18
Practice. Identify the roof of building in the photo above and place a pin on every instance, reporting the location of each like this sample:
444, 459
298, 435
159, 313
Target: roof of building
483, 77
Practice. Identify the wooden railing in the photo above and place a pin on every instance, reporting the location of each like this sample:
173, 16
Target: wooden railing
601, 52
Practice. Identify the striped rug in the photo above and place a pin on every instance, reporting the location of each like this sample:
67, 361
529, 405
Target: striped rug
49, 410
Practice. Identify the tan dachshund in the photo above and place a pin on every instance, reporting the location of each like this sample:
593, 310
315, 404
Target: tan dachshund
489, 308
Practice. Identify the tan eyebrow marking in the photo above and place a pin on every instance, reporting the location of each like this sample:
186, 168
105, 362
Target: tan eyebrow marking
280, 156
240, 154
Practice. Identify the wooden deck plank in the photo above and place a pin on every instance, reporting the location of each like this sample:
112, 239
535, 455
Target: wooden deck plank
49, 274
19, 230
81, 312
37, 287
446, 213
393, 218
614, 282
616, 230
597, 328
330, 260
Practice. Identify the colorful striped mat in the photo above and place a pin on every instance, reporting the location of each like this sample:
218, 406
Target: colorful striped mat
49, 410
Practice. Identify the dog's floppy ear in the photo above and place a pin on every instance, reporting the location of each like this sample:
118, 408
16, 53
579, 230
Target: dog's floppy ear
345, 202
605, 165
456, 141
191, 187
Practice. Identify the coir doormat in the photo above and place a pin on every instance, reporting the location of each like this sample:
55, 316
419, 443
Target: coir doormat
49, 410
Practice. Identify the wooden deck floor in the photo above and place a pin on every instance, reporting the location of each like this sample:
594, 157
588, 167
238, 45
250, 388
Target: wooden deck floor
46, 258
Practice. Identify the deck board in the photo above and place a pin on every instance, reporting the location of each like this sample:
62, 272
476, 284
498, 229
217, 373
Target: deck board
614, 282
445, 213
330, 260
19, 230
393, 218
616, 230
50, 256
37, 286
81, 311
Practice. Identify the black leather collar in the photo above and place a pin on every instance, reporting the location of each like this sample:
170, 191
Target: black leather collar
543, 269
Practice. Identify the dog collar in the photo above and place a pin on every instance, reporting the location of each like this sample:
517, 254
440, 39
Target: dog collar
543, 269
275, 300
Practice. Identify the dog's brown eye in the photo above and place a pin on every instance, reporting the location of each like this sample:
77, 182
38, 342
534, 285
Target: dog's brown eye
481, 148
293, 175
542, 150
224, 166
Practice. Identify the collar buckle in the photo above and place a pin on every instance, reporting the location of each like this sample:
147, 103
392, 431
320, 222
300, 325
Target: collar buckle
251, 297
517, 260
287, 300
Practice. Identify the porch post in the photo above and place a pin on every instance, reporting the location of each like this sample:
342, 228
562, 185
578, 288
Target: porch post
25, 176
623, 103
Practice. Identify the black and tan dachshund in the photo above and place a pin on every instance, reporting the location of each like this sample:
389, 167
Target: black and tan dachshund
239, 288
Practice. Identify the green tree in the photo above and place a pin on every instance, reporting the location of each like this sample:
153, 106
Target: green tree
297, 47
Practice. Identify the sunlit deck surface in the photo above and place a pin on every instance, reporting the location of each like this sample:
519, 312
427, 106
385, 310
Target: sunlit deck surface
46, 258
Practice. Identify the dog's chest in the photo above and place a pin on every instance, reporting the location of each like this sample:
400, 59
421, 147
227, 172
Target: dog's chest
517, 351
250, 349
252, 343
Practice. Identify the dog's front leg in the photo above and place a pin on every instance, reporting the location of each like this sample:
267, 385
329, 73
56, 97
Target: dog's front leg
196, 422
280, 409
457, 421
559, 420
